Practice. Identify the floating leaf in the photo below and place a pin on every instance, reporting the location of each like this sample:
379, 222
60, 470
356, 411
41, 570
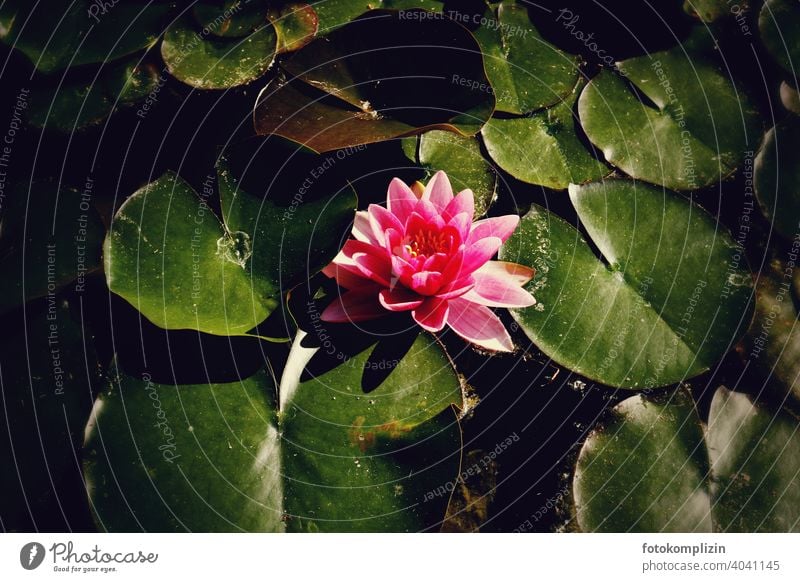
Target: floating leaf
66, 33
459, 156
647, 469
663, 304
207, 62
777, 177
543, 148
333, 14
170, 257
525, 71
51, 237
692, 133
709, 11
330, 457
344, 95
779, 23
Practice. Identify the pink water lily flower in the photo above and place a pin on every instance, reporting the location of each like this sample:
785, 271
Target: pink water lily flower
424, 254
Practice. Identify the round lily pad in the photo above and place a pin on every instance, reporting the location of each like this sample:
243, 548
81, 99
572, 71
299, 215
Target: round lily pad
663, 303
231, 18
209, 62
691, 130
543, 148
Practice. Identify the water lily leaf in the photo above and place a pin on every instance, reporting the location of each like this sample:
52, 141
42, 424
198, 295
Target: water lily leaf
342, 95
647, 469
50, 237
779, 24
543, 148
78, 104
335, 13
709, 11
772, 344
693, 133
231, 18
208, 62
777, 177
526, 72
755, 460
666, 301
228, 457
296, 25
48, 375
459, 156
170, 257
66, 33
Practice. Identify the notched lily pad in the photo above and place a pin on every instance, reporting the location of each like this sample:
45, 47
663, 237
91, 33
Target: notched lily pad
543, 148
777, 177
666, 301
296, 25
208, 62
692, 132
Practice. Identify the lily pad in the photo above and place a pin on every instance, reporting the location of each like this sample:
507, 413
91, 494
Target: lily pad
526, 72
229, 457
66, 33
344, 95
51, 237
663, 304
169, 255
692, 132
777, 177
543, 148
459, 156
209, 62
333, 14
779, 24
647, 469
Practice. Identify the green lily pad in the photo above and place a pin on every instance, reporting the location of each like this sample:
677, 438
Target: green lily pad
779, 24
76, 104
329, 457
51, 238
710, 11
544, 148
772, 344
209, 62
526, 72
169, 255
48, 373
66, 33
231, 18
333, 14
647, 469
296, 25
459, 156
693, 133
343, 95
666, 301
777, 177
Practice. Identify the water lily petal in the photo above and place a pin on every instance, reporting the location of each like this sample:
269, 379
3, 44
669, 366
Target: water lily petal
495, 291
479, 325
501, 227
438, 191
464, 202
382, 220
375, 268
520, 274
400, 200
360, 305
362, 228
399, 299
477, 253
462, 223
432, 314
426, 282
347, 276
